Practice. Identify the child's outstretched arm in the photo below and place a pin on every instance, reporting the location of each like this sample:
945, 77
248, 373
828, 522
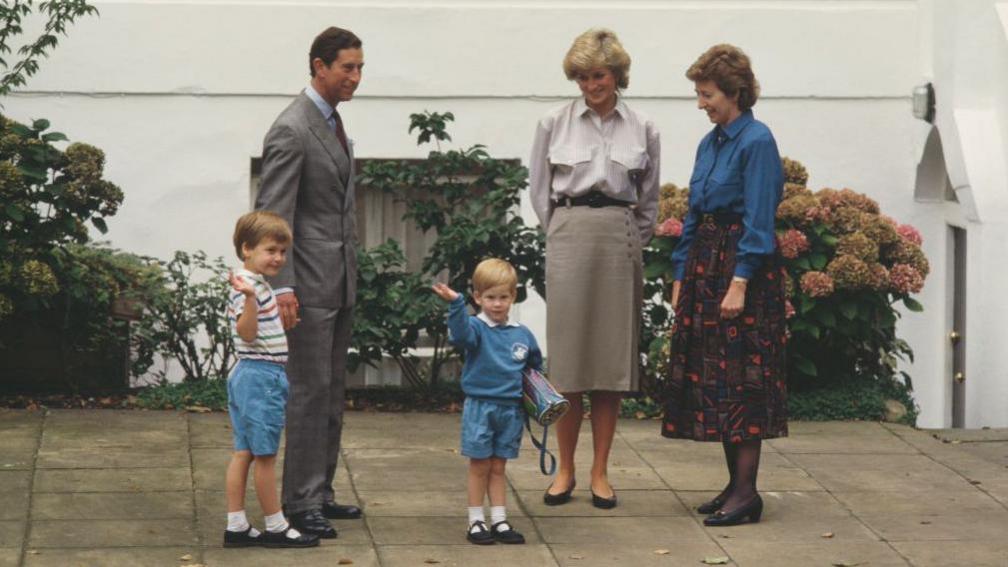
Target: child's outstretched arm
248, 321
461, 331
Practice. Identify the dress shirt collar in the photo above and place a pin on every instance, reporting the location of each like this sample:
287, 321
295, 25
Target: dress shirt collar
735, 126
323, 106
483, 317
581, 107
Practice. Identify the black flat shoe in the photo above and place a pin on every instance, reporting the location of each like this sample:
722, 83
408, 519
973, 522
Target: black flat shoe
334, 511
312, 522
242, 539
604, 503
283, 539
752, 511
557, 499
504, 533
479, 534
712, 505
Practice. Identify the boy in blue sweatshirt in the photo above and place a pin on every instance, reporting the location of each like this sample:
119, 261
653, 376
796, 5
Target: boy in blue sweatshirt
497, 350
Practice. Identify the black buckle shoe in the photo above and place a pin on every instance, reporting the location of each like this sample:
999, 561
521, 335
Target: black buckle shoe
282, 539
504, 533
334, 511
479, 534
751, 510
557, 499
312, 522
241, 539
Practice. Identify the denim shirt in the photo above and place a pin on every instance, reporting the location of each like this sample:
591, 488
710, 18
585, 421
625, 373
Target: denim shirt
737, 169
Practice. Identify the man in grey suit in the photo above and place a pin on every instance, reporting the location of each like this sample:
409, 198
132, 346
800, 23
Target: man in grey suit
307, 178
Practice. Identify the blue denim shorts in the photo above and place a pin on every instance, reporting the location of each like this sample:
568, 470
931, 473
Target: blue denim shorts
257, 399
491, 429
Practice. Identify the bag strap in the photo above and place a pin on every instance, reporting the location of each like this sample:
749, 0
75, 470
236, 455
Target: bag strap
543, 451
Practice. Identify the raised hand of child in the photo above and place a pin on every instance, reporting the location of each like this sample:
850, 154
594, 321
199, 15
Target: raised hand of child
444, 292
241, 285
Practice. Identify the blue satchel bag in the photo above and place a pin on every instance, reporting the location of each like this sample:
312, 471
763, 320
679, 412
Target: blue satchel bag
545, 405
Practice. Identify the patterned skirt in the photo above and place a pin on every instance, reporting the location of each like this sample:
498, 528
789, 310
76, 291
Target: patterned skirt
726, 377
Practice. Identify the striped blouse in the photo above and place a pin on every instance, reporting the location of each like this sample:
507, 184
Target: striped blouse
271, 341
576, 151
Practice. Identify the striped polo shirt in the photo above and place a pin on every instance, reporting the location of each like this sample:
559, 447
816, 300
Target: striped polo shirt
271, 341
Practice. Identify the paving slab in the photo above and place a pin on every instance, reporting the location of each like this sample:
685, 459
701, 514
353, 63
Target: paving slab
950, 527
776, 504
113, 480
912, 504
15, 480
13, 505
662, 502
115, 428
406, 469
10, 556
425, 502
617, 553
466, 555
330, 552
947, 553
881, 474
633, 531
982, 434
112, 506
109, 457
748, 553
108, 557
12, 533
388, 530
111, 533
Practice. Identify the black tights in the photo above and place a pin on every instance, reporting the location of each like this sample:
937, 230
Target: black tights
743, 466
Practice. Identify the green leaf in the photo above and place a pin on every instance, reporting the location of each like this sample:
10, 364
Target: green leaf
849, 309
830, 240
40, 124
818, 261
14, 213
803, 264
54, 137
913, 305
807, 303
805, 365
100, 224
826, 318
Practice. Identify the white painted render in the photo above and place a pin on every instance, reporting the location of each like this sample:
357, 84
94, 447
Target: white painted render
180, 93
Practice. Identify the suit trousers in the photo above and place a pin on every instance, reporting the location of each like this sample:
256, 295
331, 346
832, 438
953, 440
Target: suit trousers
316, 370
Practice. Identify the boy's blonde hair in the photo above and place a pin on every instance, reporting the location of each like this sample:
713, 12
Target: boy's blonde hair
252, 227
494, 272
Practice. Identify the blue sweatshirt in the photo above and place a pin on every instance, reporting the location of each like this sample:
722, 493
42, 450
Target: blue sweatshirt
495, 353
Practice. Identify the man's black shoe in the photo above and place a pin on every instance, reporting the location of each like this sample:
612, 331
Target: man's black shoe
312, 522
335, 511
242, 539
284, 539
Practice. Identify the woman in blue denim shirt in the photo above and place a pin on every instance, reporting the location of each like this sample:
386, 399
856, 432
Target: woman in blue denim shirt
726, 378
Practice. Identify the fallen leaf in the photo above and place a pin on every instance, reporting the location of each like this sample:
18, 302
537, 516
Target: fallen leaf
975, 482
640, 415
33, 552
186, 557
345, 561
925, 522
661, 552
198, 409
845, 564
716, 560
576, 556
827, 535
431, 561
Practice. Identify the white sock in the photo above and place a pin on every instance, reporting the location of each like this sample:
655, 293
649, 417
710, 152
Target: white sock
276, 523
237, 522
497, 514
476, 514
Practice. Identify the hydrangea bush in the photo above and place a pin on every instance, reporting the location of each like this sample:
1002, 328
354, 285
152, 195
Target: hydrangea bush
848, 266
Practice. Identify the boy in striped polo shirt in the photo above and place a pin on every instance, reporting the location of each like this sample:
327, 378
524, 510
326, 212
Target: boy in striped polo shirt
257, 387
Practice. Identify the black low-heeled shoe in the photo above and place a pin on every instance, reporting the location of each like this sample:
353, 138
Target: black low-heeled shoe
604, 503
557, 499
712, 505
751, 510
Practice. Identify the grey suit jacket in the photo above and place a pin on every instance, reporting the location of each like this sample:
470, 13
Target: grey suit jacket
307, 179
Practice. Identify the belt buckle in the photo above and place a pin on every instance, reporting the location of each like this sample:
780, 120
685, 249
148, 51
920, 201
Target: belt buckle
708, 218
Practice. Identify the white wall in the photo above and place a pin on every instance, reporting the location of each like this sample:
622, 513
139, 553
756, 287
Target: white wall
179, 95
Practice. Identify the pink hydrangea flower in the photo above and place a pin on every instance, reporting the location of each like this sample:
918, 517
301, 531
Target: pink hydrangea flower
905, 279
910, 233
789, 310
816, 284
671, 227
792, 243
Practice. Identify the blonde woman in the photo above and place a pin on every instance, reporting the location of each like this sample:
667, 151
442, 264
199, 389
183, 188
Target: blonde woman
593, 178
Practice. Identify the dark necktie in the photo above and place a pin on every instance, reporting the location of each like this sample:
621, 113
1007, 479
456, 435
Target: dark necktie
340, 132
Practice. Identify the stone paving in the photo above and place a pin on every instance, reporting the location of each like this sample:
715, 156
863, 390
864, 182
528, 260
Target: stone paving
128, 488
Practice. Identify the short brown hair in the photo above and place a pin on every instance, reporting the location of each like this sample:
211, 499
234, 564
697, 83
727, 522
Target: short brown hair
494, 272
730, 69
598, 47
252, 227
328, 44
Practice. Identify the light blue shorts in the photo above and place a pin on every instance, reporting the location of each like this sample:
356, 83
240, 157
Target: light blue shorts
491, 429
257, 399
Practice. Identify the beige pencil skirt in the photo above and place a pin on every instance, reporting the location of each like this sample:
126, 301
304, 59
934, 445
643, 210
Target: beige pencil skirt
594, 290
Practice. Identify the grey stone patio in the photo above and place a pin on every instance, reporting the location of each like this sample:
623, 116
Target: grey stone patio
145, 488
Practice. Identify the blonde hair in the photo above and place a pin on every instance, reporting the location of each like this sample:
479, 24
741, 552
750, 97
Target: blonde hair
494, 272
730, 69
252, 227
598, 47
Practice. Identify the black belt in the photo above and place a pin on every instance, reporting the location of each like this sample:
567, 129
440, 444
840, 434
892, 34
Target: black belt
720, 217
594, 199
